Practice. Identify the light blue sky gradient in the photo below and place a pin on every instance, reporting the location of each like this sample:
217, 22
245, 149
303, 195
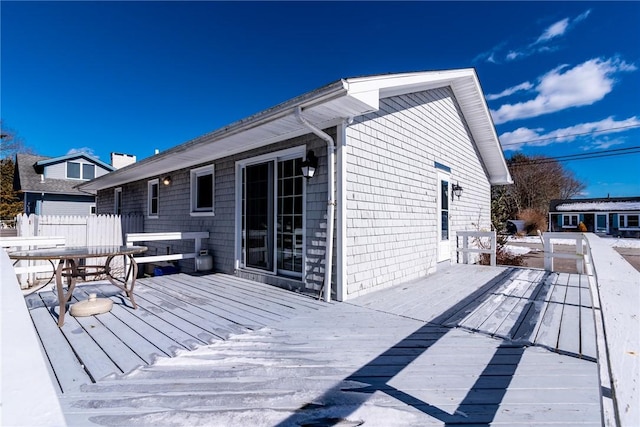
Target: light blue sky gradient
561, 78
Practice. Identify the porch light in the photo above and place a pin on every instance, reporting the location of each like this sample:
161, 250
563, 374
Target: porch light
457, 191
166, 180
309, 165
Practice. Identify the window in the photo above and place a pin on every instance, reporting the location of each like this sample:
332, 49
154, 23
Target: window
76, 170
153, 188
444, 210
88, 171
202, 191
117, 201
73, 170
570, 221
92, 210
629, 221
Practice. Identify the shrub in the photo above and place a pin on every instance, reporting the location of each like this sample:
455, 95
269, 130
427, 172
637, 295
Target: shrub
534, 220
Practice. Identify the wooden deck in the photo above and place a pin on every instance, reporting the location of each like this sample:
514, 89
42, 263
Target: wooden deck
469, 345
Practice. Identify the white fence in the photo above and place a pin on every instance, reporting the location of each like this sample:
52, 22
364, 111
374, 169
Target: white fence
91, 230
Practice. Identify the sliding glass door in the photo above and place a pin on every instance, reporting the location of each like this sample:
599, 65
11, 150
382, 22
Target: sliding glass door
272, 216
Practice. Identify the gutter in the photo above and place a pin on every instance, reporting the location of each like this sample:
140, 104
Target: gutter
331, 202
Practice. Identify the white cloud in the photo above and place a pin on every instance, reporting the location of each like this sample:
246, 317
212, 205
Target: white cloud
510, 91
604, 143
521, 137
82, 150
553, 31
563, 88
539, 45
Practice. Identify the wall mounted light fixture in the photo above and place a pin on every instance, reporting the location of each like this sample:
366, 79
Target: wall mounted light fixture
456, 191
309, 165
166, 180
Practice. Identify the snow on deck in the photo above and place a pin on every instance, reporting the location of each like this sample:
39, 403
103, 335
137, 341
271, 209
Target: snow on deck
469, 344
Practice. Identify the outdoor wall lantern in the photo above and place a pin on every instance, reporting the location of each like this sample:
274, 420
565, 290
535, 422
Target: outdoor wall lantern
308, 166
457, 191
166, 180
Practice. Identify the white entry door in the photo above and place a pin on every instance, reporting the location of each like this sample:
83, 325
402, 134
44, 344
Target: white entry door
444, 245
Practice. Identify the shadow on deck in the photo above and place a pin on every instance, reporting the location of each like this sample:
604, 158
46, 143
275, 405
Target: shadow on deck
468, 345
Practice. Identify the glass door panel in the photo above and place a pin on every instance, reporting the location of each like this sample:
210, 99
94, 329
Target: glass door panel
290, 218
257, 217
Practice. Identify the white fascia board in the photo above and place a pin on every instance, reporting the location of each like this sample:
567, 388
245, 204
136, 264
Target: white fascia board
324, 108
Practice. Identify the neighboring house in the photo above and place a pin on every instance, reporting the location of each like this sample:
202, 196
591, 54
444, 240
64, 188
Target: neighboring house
46, 185
395, 146
616, 216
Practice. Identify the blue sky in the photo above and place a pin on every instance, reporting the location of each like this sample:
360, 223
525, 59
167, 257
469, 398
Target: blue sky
561, 78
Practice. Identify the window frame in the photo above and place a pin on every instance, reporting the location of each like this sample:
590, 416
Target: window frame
194, 175
570, 216
150, 184
82, 166
79, 177
81, 174
623, 221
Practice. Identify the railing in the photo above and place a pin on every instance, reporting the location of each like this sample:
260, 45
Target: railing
27, 273
197, 236
582, 253
29, 396
478, 248
616, 292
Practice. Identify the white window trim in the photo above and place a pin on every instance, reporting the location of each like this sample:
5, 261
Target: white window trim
66, 170
286, 154
117, 191
150, 184
82, 178
195, 173
92, 208
623, 221
571, 215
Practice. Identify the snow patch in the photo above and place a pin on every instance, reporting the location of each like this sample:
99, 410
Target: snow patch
599, 206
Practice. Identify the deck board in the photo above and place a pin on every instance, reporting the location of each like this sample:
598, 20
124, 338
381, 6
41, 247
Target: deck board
223, 348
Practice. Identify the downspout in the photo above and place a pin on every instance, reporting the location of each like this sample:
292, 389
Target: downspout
331, 203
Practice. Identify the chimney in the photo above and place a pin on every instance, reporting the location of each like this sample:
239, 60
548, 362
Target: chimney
119, 160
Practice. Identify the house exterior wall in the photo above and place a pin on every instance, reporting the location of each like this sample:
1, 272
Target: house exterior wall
174, 214
59, 170
589, 219
58, 204
391, 188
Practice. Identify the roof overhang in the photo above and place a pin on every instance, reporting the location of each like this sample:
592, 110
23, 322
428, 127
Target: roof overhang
325, 107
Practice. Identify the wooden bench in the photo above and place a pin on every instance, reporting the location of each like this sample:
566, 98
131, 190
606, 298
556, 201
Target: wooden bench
196, 236
31, 268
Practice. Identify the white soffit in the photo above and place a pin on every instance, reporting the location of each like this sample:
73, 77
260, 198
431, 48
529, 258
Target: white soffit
325, 107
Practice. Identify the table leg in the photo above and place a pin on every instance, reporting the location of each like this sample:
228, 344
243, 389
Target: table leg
129, 280
63, 298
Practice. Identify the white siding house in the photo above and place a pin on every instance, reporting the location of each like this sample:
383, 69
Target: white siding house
394, 146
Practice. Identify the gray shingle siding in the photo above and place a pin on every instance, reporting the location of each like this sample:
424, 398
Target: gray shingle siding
174, 212
392, 187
